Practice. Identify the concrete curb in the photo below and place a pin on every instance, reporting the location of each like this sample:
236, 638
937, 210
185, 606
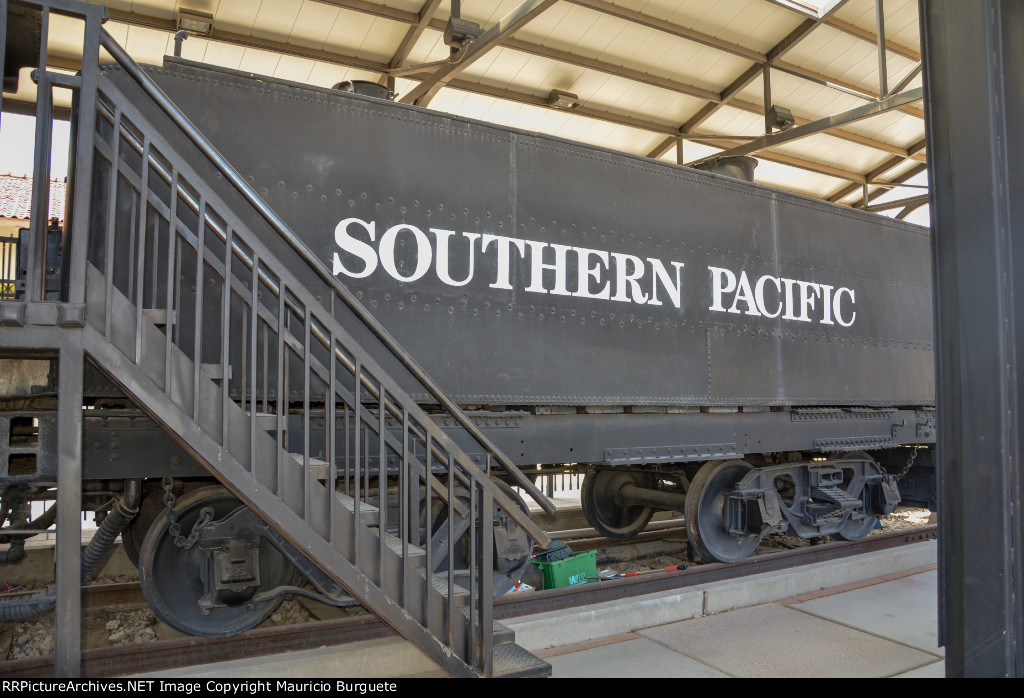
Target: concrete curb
571, 626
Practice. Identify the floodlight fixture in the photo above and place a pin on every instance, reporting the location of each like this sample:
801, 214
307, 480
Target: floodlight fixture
563, 100
458, 32
780, 118
195, 21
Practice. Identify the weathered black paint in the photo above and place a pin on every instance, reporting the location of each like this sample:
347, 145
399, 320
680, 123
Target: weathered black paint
708, 384
324, 156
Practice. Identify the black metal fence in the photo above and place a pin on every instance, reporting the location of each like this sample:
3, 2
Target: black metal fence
9, 251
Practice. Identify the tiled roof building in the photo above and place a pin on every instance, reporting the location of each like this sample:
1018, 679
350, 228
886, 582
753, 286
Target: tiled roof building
16, 198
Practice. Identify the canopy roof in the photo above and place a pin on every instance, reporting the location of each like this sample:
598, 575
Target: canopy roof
678, 80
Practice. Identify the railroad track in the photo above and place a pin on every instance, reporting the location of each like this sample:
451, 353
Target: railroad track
188, 651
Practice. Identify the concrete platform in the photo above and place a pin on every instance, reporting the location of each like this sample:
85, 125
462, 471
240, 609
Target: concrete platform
872, 615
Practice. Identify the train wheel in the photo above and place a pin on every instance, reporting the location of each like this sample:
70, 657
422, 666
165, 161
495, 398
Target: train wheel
610, 519
512, 551
855, 529
176, 581
705, 517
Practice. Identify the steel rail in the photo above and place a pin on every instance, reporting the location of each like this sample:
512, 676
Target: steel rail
188, 651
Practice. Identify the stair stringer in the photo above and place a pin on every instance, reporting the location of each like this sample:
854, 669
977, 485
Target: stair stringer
235, 474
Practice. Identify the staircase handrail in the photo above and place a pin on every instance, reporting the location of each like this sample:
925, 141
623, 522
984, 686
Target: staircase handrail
200, 141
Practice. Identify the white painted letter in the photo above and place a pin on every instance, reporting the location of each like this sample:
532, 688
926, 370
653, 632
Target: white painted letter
357, 247
759, 295
722, 281
826, 304
788, 283
743, 293
503, 244
387, 252
836, 309
623, 277
674, 291
442, 256
537, 267
585, 273
807, 299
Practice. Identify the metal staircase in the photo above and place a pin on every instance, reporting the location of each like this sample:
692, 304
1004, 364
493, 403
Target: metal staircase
215, 319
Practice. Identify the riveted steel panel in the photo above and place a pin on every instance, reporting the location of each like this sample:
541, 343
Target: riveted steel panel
525, 270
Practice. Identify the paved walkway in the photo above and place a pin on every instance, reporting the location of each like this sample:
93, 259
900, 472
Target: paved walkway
884, 627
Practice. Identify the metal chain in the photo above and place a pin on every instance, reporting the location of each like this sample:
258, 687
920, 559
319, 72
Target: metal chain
909, 465
906, 468
174, 528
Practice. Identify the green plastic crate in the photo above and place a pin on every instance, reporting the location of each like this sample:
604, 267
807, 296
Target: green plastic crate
570, 571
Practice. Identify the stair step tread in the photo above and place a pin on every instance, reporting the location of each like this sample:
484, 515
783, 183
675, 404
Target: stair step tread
159, 316
267, 421
513, 661
313, 461
216, 371
370, 515
439, 580
349, 503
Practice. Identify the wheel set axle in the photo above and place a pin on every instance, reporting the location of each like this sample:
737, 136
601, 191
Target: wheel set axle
730, 505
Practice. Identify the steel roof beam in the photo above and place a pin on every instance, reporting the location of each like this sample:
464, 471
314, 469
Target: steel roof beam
875, 193
882, 169
674, 29
914, 201
846, 87
771, 56
823, 125
372, 8
542, 101
800, 163
623, 120
412, 35
168, 25
726, 96
663, 83
871, 37
610, 69
908, 210
424, 21
912, 172
245, 41
398, 15
839, 133
736, 50
491, 38
741, 82
852, 30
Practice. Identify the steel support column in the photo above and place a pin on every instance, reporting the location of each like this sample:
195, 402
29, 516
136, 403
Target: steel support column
68, 648
973, 56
